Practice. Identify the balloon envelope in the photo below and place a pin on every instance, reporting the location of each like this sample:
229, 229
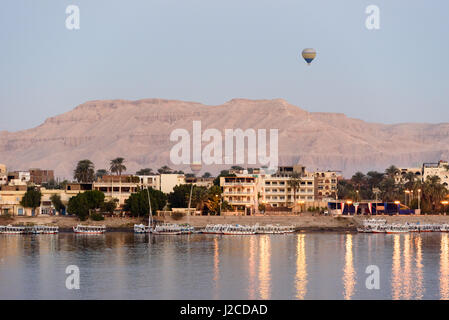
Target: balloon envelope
309, 54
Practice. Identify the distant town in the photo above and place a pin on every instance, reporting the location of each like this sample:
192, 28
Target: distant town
236, 191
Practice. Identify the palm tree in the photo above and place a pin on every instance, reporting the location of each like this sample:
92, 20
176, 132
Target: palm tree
117, 166
392, 171
295, 183
84, 171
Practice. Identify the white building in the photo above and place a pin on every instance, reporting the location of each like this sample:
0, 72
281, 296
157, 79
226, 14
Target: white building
439, 169
3, 175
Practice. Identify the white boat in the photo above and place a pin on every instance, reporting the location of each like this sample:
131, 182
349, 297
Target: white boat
141, 228
42, 229
214, 228
444, 227
89, 229
397, 228
9, 229
168, 229
239, 230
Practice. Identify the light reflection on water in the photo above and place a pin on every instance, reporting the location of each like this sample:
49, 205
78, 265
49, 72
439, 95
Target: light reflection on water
296, 266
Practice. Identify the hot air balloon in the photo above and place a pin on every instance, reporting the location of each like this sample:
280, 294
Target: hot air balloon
309, 54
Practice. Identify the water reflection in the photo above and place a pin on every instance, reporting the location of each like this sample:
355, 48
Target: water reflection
216, 269
444, 267
419, 290
396, 268
306, 265
301, 267
252, 268
407, 272
349, 273
264, 267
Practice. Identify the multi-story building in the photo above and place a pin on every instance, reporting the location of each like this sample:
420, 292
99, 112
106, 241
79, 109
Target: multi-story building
117, 187
277, 192
240, 192
439, 169
23, 176
38, 176
169, 180
247, 190
325, 184
200, 182
11, 196
402, 175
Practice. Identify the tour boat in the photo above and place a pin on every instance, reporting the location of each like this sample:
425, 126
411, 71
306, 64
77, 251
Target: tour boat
272, 229
42, 229
141, 228
239, 230
167, 229
214, 229
444, 227
89, 229
397, 228
187, 229
9, 229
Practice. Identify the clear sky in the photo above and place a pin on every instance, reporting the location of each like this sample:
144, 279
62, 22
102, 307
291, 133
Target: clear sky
211, 51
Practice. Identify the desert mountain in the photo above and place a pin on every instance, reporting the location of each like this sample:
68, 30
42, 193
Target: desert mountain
139, 131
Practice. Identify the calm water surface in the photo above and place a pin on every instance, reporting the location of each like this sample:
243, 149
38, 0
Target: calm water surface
295, 266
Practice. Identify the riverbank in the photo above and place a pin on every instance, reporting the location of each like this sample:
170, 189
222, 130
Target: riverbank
306, 222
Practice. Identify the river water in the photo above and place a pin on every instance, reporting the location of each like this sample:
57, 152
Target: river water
295, 266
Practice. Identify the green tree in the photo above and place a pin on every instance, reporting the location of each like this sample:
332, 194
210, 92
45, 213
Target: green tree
109, 206
164, 170
207, 175
117, 166
392, 171
57, 203
179, 197
31, 198
145, 172
79, 206
137, 204
94, 198
84, 171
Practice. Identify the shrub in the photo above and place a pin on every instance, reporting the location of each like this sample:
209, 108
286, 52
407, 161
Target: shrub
96, 216
177, 215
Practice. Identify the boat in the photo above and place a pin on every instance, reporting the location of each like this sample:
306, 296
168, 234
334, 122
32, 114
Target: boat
214, 229
444, 228
89, 229
239, 230
167, 229
141, 228
397, 228
43, 229
9, 229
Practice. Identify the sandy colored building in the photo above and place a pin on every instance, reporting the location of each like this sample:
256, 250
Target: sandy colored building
325, 184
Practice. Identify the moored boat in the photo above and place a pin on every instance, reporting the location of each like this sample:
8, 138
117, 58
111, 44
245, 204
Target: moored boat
9, 229
239, 230
168, 229
89, 229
